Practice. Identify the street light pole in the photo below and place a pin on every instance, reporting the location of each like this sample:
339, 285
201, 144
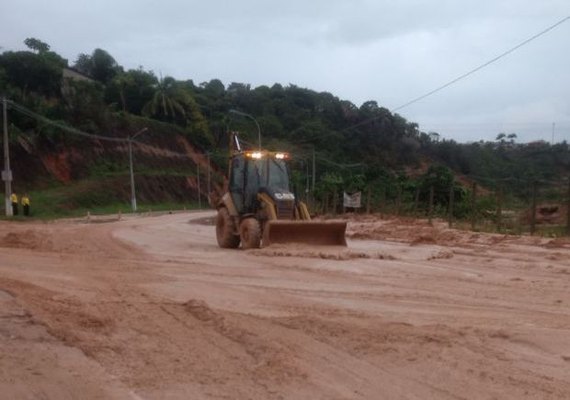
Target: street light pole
307, 180
198, 183
314, 177
254, 120
7, 173
133, 195
208, 188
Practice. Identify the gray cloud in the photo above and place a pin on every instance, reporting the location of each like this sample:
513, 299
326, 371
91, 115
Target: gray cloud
383, 50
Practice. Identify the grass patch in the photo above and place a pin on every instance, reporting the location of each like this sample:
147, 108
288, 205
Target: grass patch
98, 196
51, 212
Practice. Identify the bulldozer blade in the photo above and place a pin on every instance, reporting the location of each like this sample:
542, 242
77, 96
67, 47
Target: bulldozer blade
328, 233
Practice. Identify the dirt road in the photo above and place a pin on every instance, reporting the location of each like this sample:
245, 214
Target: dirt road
151, 308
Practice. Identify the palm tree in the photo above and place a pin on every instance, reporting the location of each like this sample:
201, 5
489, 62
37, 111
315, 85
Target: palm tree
168, 101
172, 102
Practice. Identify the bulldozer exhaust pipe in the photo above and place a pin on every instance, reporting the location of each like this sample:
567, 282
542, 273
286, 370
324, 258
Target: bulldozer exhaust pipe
327, 233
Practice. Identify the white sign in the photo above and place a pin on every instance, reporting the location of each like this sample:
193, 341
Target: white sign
352, 200
7, 175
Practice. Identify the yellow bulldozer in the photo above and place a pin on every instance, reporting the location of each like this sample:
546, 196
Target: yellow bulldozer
259, 208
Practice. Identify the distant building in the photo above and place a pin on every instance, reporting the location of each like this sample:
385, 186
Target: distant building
73, 74
537, 144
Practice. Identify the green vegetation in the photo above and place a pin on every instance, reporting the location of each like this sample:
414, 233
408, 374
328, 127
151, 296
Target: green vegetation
78, 200
364, 148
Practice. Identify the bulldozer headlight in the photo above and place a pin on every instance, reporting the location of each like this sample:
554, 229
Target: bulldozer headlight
254, 154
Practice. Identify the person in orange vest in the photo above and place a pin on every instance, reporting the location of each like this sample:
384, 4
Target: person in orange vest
26, 204
14, 200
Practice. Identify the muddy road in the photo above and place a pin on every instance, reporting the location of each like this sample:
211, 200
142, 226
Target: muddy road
151, 308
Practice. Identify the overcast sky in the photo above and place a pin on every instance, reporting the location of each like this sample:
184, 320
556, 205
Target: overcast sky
388, 51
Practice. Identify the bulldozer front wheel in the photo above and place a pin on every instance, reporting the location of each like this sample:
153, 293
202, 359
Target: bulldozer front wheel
250, 233
225, 230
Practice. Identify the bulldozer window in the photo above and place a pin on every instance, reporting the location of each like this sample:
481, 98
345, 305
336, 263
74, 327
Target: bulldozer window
254, 178
237, 182
278, 177
267, 172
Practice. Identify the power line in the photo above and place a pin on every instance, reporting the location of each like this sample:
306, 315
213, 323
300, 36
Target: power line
354, 165
23, 110
453, 81
480, 67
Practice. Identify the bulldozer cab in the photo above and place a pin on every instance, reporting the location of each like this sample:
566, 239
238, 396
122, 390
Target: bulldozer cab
255, 172
259, 208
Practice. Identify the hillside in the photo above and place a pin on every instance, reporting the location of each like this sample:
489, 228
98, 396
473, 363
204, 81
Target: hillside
354, 148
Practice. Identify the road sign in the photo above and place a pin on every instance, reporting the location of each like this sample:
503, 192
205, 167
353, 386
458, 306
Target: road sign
7, 175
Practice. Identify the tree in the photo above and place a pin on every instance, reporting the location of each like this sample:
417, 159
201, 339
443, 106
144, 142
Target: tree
214, 88
440, 178
173, 102
329, 185
104, 66
30, 72
132, 90
122, 82
83, 64
100, 65
370, 108
84, 104
37, 45
434, 136
167, 102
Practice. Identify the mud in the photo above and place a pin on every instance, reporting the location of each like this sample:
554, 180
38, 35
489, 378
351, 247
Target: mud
151, 308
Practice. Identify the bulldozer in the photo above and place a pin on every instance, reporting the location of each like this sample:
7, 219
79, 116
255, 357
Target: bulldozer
259, 208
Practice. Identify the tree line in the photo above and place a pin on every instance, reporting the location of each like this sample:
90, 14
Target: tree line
354, 147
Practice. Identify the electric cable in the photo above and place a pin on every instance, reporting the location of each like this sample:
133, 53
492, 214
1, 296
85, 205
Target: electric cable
480, 67
30, 113
453, 81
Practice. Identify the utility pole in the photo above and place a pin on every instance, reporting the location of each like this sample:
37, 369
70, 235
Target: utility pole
314, 177
568, 210
553, 126
314, 170
7, 173
431, 197
133, 194
451, 200
499, 211
533, 209
307, 180
473, 206
198, 183
208, 187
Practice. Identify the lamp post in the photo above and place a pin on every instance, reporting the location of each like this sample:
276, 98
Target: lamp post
133, 195
209, 168
254, 120
7, 173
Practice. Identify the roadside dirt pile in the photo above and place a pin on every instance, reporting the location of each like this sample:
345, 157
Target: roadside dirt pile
417, 232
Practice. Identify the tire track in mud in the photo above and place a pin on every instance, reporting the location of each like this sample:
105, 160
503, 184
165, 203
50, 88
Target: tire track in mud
36, 363
110, 325
411, 327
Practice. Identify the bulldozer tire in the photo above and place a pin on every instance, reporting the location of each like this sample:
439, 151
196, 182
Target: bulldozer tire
225, 230
250, 233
